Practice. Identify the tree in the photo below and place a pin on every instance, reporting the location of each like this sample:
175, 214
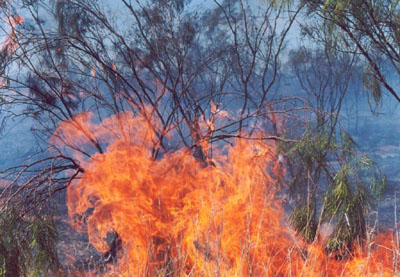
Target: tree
369, 29
342, 192
185, 72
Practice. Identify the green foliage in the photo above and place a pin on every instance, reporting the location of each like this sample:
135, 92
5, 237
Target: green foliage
337, 6
372, 84
348, 206
43, 239
367, 29
332, 182
312, 147
355, 189
10, 248
303, 220
27, 246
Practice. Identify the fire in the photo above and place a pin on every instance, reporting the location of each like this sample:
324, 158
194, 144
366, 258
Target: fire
177, 216
11, 44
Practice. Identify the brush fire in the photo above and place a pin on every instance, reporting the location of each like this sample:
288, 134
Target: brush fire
178, 216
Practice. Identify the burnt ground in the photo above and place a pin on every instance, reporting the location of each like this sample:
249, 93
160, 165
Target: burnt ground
75, 252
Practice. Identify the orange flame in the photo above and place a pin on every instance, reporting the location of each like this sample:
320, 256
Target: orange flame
176, 216
11, 44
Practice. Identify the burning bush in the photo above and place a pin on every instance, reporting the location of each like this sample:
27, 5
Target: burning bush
177, 215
